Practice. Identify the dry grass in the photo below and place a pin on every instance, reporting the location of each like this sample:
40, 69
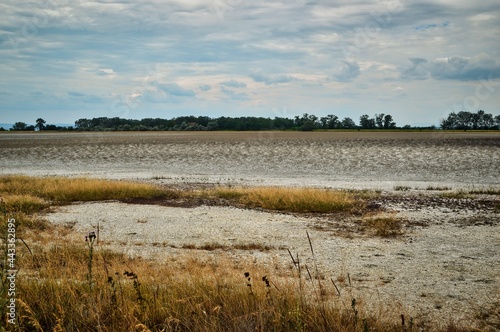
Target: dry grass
31, 194
64, 190
456, 194
183, 294
401, 188
485, 191
290, 199
211, 246
438, 188
23, 203
385, 226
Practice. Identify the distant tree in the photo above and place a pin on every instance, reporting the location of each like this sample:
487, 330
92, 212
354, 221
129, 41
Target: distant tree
19, 126
450, 122
379, 120
497, 121
40, 124
388, 122
308, 126
366, 122
82, 124
348, 123
465, 120
329, 122
487, 122
212, 125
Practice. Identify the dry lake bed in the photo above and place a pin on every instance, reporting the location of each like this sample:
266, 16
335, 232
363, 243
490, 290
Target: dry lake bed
445, 266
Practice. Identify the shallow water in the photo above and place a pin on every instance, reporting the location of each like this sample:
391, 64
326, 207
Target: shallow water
331, 159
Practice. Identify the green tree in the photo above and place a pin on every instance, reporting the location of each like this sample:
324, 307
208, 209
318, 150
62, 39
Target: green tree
348, 123
389, 122
379, 120
19, 126
366, 122
330, 121
40, 124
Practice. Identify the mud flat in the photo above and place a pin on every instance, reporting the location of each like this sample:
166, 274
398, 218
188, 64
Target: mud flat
325, 159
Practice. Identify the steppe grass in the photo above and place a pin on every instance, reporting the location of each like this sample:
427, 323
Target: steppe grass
467, 193
31, 194
182, 294
290, 199
456, 194
485, 191
63, 190
437, 188
384, 226
402, 188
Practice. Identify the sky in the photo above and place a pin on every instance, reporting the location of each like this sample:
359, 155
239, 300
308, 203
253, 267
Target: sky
63, 60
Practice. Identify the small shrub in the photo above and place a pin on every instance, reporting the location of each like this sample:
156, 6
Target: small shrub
384, 226
402, 188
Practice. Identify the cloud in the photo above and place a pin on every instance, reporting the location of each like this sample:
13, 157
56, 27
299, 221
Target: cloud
105, 71
417, 71
459, 68
204, 87
346, 72
465, 68
175, 90
258, 76
234, 84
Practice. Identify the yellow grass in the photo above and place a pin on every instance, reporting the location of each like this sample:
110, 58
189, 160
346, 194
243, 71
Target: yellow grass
183, 294
23, 203
63, 190
385, 226
291, 199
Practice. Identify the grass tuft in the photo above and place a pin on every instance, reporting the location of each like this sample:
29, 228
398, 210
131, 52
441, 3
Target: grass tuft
401, 188
438, 188
387, 226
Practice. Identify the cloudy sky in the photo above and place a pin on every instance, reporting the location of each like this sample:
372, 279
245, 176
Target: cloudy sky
68, 59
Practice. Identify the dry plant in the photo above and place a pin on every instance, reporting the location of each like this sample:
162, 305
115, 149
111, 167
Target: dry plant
191, 293
26, 190
290, 199
383, 225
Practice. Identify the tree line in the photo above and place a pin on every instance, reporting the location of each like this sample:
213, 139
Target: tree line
306, 122
465, 120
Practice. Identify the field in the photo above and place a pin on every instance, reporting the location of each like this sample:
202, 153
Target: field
405, 223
